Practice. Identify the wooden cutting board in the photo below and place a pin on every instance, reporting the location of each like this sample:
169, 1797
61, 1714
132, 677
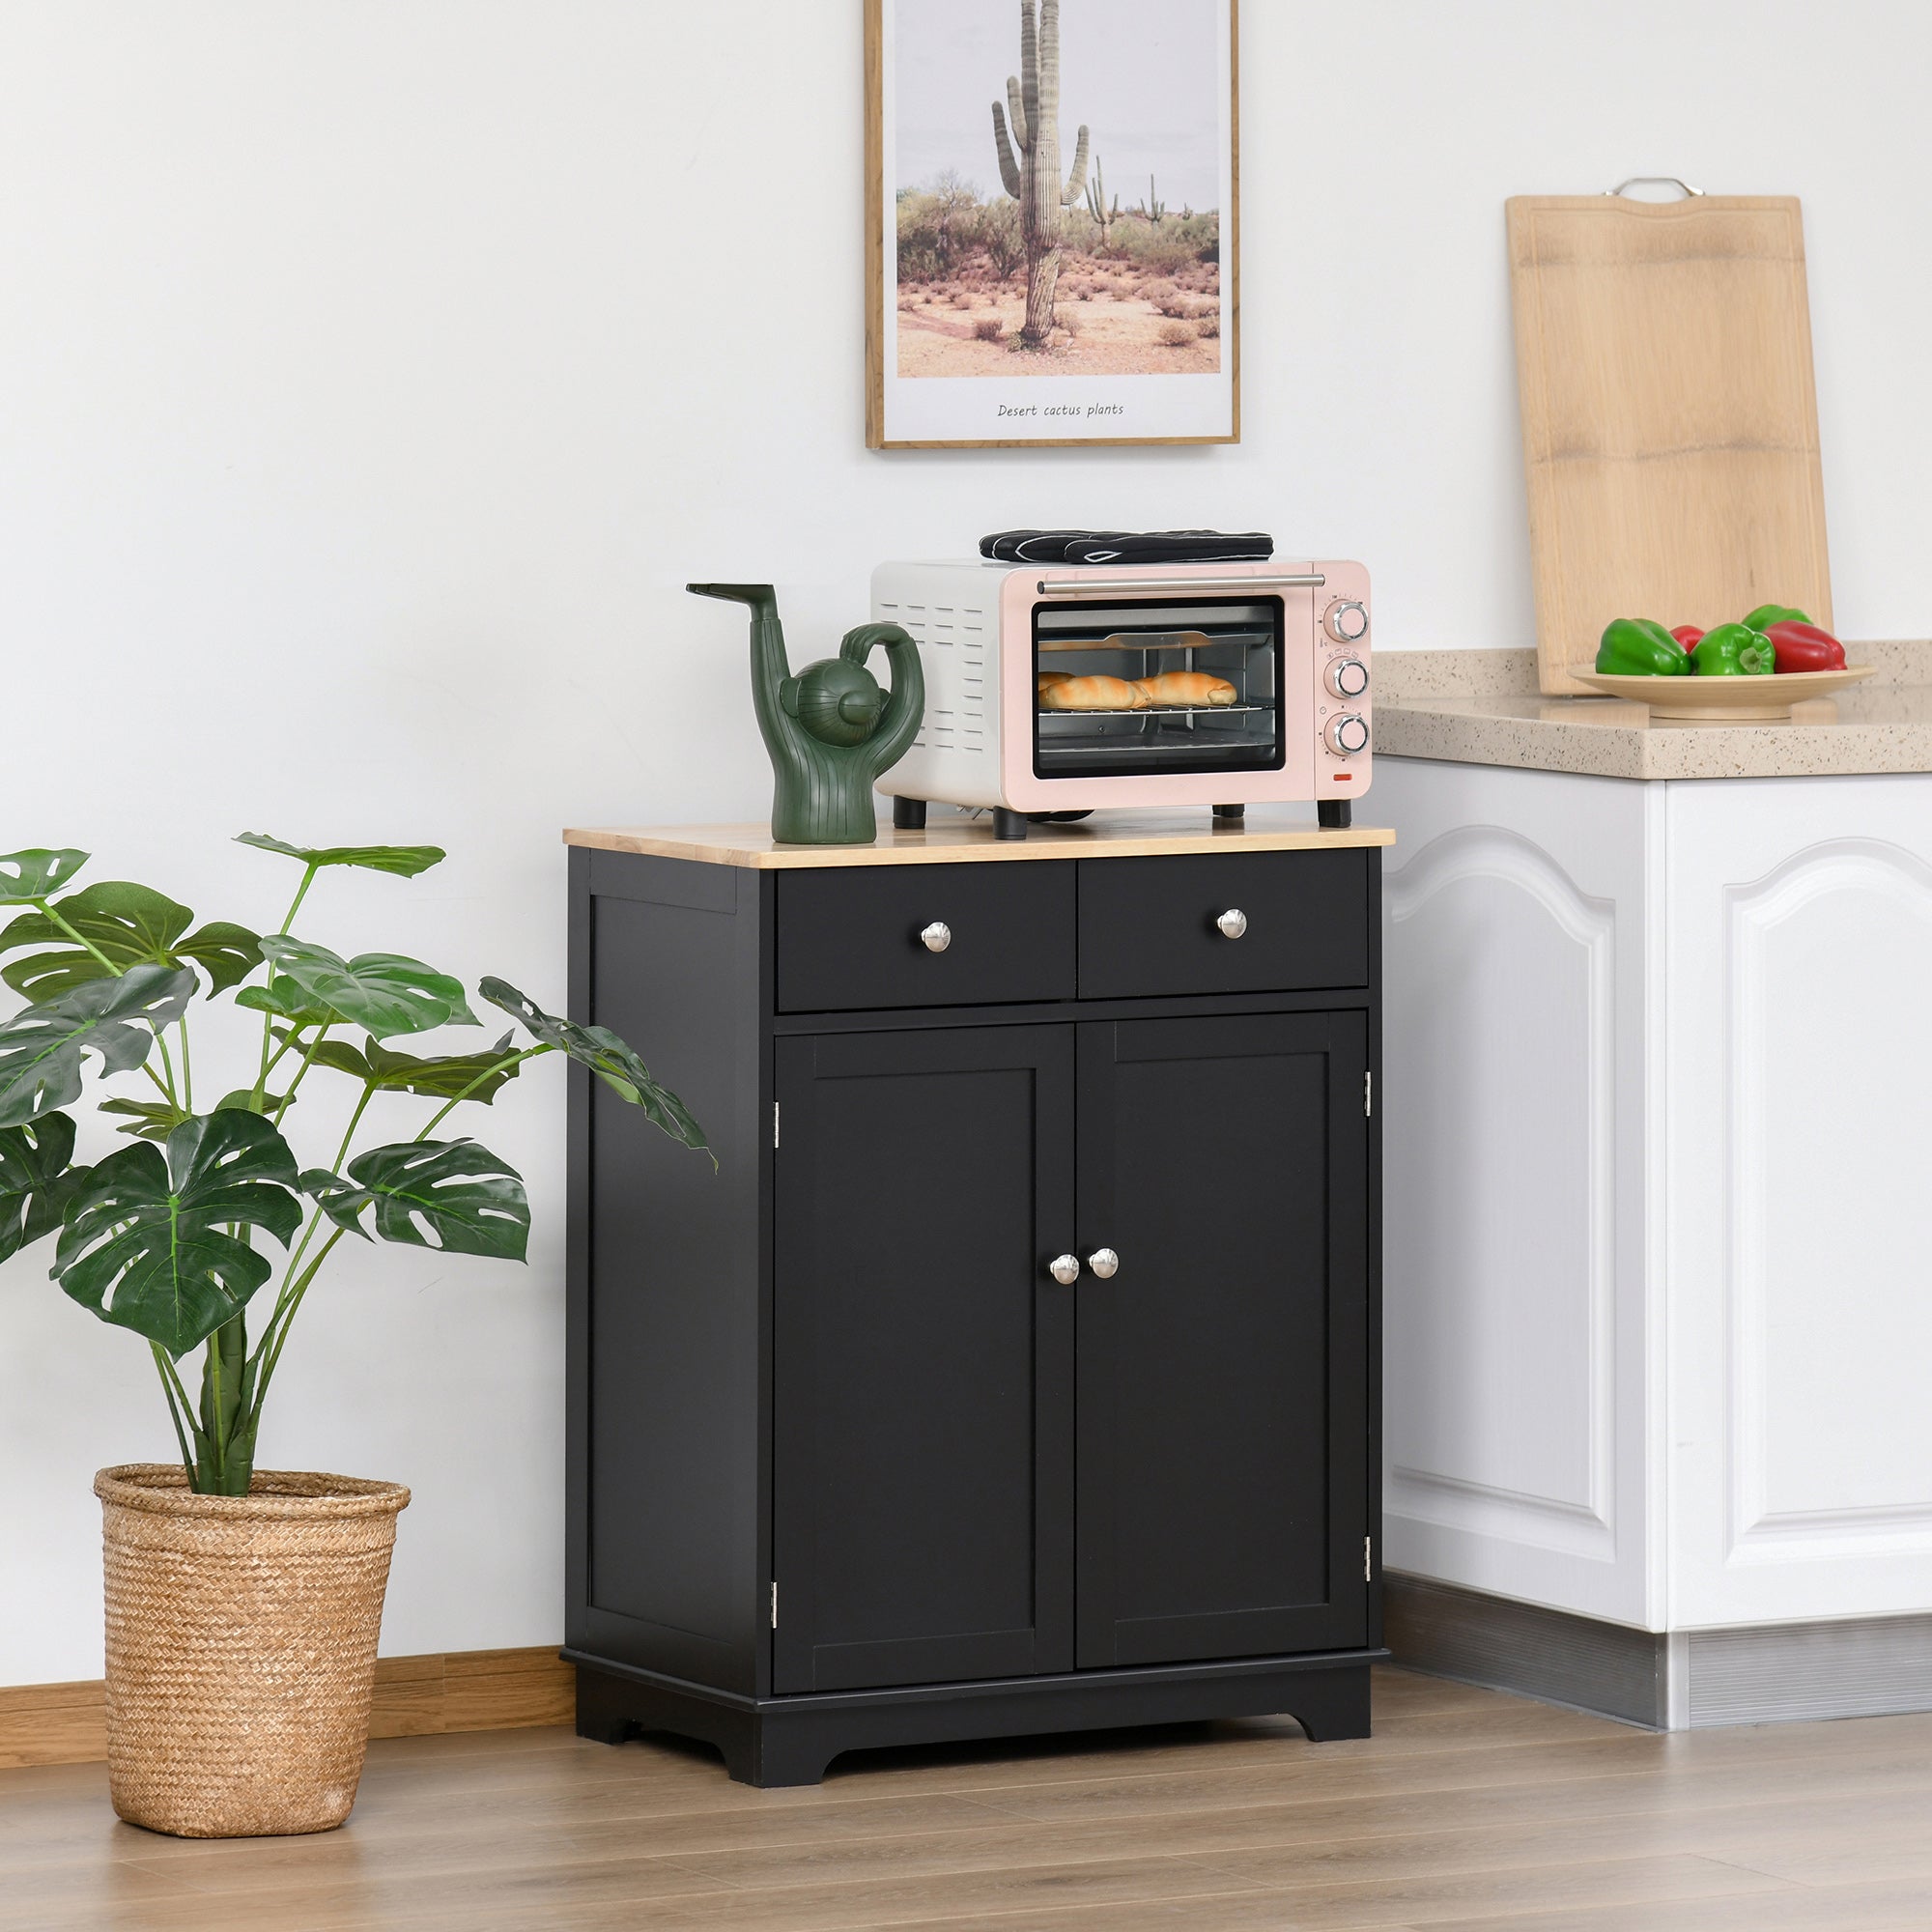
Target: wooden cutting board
1669, 422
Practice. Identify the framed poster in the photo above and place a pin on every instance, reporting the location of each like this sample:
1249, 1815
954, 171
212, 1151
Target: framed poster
1065, 270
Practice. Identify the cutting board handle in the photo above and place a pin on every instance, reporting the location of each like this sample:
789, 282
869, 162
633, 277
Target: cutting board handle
1670, 181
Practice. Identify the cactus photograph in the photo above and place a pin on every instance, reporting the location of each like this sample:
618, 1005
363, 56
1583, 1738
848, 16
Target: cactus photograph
1079, 238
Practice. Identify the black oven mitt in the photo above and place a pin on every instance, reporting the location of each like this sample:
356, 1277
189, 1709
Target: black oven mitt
1090, 547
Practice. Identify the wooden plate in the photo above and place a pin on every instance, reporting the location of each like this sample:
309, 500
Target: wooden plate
1723, 698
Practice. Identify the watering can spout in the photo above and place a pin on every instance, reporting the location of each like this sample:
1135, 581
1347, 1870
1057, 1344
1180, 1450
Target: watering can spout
762, 597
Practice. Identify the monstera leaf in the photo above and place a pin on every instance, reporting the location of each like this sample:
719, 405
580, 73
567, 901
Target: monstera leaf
612, 1059
288, 1002
406, 861
244, 1099
36, 874
146, 1243
41, 1048
224, 950
474, 1076
35, 1180
455, 1191
151, 1120
382, 992
129, 924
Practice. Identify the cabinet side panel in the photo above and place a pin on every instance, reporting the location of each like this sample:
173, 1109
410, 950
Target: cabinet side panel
577, 1269
1373, 1497
670, 1499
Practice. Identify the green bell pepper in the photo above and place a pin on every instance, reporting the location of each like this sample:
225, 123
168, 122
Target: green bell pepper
1734, 650
1635, 647
1768, 615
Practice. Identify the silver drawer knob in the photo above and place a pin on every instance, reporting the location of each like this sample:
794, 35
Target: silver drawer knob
1104, 1263
1232, 922
936, 937
1065, 1269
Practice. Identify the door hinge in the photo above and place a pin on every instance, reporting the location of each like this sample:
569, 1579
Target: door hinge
1368, 1569
774, 1123
1368, 1095
775, 1607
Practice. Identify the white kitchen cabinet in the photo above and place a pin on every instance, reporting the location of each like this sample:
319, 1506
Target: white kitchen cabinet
1659, 1223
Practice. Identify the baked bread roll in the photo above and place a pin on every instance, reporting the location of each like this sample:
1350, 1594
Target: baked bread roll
1186, 687
1047, 679
1092, 694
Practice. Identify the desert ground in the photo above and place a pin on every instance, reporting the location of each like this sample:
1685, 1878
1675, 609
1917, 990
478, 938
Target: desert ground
1140, 298
1109, 324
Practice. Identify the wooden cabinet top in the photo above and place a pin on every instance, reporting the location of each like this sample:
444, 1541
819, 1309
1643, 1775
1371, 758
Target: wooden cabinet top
953, 841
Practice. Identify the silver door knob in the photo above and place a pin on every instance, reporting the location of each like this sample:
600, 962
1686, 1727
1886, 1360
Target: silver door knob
1104, 1263
1232, 922
1065, 1269
936, 937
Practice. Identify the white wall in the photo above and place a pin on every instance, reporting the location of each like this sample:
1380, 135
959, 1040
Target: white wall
375, 375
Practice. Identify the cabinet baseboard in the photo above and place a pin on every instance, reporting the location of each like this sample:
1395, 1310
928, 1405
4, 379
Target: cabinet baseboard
1757, 1674
1556, 1655
415, 1696
781, 1741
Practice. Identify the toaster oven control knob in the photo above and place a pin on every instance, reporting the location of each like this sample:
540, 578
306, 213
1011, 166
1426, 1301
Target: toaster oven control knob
1346, 734
1345, 621
1347, 677
1065, 1269
1232, 922
936, 937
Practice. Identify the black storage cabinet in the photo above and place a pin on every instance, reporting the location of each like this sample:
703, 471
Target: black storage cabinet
848, 1466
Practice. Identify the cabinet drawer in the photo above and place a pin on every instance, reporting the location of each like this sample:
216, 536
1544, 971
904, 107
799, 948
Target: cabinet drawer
849, 937
1148, 926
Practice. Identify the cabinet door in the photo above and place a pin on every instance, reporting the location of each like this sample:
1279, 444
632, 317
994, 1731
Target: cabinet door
923, 1357
1223, 1370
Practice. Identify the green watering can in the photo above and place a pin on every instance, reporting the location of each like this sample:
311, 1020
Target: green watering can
830, 730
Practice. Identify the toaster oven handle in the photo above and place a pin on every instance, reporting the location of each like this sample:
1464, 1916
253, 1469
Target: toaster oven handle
1129, 587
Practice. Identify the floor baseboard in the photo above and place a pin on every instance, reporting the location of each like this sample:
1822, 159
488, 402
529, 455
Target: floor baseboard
415, 1696
1759, 1674
1783, 1673
1604, 1669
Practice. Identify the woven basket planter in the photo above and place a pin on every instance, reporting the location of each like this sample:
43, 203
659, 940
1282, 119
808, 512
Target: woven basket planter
241, 1647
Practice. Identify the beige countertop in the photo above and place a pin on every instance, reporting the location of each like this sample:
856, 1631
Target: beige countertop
1482, 707
1122, 834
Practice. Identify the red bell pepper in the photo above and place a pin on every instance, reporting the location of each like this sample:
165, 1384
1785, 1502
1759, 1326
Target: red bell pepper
1806, 647
1687, 634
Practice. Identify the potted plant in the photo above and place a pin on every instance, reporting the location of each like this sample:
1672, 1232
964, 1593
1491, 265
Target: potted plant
244, 1604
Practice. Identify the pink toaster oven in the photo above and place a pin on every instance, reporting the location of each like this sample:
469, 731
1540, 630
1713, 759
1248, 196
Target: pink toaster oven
1282, 713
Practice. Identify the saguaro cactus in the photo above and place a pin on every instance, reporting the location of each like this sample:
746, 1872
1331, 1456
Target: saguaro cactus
1153, 209
1096, 202
1032, 176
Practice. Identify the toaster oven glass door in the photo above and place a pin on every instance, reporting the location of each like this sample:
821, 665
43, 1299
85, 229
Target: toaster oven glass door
1138, 689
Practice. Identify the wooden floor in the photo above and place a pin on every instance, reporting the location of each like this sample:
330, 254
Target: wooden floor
1467, 1809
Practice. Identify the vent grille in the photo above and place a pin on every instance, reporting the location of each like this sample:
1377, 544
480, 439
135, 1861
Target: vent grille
963, 632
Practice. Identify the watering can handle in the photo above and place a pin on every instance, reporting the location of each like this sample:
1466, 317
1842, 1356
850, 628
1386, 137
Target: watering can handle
857, 644
899, 721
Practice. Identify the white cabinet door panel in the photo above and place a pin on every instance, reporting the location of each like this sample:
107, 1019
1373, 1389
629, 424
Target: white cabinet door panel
1515, 978
1801, 1224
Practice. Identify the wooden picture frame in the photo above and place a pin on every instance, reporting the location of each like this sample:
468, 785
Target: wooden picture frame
972, 341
